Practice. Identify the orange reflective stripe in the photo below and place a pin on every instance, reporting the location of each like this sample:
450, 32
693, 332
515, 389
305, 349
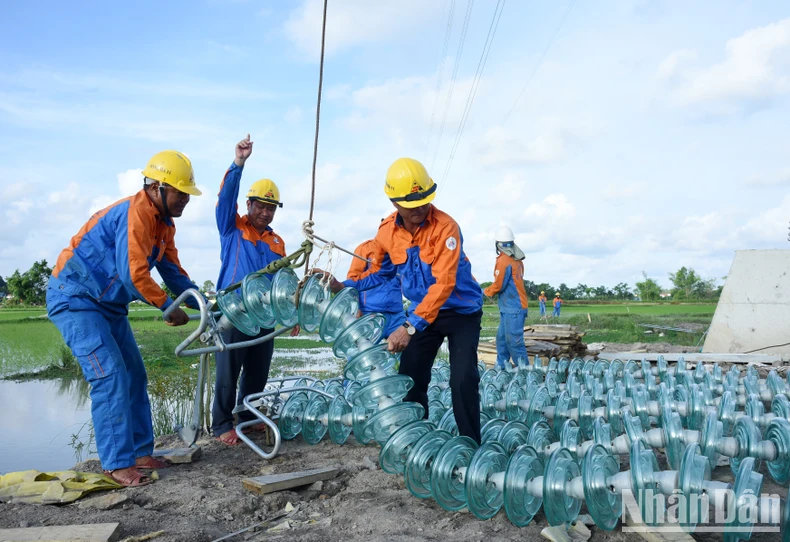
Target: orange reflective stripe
140, 235
443, 268
518, 280
499, 275
68, 252
249, 233
360, 269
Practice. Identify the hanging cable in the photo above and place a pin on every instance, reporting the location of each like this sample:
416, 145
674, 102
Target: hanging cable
452, 80
481, 64
540, 61
440, 72
309, 224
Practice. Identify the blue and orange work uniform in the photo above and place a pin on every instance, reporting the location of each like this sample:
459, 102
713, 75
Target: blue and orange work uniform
106, 266
386, 299
513, 308
446, 301
557, 306
243, 251
542, 300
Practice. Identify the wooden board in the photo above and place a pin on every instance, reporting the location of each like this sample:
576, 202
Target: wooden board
766, 359
278, 482
95, 532
179, 455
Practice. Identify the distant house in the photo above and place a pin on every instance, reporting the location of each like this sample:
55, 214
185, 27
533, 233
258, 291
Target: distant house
665, 295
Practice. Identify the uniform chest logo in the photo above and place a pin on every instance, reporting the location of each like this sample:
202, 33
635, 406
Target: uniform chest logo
451, 243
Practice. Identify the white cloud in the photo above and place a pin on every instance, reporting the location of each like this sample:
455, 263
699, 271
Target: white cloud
293, 115
354, 22
755, 68
676, 61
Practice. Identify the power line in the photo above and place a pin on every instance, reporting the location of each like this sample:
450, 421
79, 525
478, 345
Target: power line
481, 64
440, 71
540, 61
455, 74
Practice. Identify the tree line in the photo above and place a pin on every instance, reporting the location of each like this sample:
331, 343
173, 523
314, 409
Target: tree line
687, 284
30, 287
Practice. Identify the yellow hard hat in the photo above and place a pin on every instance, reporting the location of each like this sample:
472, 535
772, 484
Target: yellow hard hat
266, 191
408, 184
174, 169
542, 292
557, 294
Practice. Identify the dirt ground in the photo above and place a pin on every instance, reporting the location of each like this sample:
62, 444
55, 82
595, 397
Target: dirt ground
205, 501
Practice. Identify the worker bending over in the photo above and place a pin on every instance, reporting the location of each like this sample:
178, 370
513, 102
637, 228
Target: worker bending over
425, 246
385, 299
108, 265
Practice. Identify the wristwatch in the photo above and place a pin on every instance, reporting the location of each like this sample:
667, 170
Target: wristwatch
410, 329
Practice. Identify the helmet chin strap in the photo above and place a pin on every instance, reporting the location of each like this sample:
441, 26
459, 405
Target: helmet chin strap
164, 201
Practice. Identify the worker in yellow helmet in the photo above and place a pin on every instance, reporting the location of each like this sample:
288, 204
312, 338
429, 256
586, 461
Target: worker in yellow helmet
247, 244
108, 265
425, 247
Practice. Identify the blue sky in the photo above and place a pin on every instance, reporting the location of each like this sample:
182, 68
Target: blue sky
651, 135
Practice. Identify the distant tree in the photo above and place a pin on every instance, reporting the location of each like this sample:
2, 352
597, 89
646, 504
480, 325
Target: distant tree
580, 291
622, 291
207, 287
3, 287
564, 290
31, 286
602, 292
532, 289
689, 285
648, 289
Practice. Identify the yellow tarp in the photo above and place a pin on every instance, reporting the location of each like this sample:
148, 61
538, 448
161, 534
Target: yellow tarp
35, 487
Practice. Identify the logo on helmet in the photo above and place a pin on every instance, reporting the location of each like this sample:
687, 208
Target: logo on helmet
269, 194
415, 188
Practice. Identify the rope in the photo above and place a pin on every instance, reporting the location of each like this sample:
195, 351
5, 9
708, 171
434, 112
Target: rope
318, 108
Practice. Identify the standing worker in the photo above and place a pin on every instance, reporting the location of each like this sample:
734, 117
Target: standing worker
542, 300
509, 284
106, 266
386, 299
248, 244
557, 305
425, 246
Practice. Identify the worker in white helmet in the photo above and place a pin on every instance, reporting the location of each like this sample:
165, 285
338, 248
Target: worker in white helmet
509, 284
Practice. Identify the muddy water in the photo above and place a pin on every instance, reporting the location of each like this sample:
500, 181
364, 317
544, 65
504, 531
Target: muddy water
37, 421
44, 424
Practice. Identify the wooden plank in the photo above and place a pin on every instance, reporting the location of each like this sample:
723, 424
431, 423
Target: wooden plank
278, 482
179, 455
94, 532
768, 359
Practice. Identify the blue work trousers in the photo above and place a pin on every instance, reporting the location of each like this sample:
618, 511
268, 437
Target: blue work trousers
510, 339
556, 313
543, 309
105, 347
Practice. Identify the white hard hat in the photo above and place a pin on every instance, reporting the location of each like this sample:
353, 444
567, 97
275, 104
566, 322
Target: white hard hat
504, 235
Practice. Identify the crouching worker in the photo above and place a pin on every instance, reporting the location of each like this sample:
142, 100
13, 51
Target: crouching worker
248, 244
509, 284
425, 246
385, 299
107, 265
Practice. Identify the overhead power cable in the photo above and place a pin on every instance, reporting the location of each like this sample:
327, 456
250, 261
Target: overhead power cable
452, 80
440, 72
540, 61
481, 64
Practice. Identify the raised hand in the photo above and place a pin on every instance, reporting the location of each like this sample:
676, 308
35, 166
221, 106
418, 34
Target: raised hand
243, 151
